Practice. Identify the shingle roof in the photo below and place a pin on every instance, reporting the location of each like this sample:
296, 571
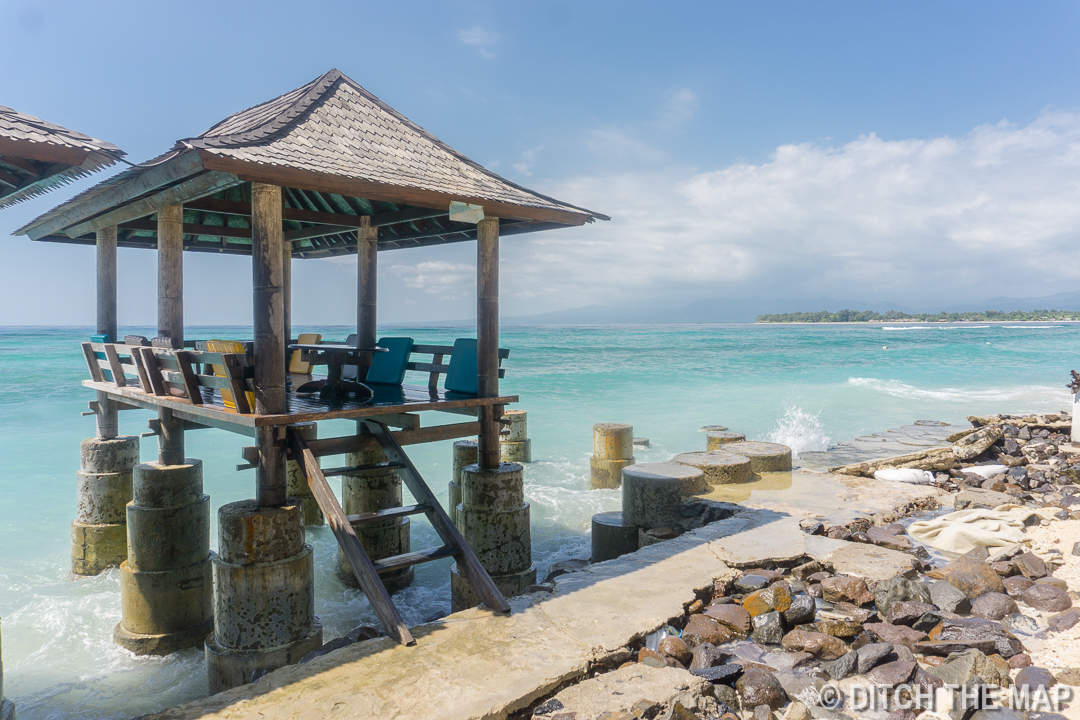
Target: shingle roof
332, 125
36, 156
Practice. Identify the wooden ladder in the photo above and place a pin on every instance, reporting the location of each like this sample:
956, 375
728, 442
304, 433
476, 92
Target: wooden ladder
366, 570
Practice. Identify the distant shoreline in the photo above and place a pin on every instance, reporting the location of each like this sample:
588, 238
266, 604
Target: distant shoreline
847, 316
911, 322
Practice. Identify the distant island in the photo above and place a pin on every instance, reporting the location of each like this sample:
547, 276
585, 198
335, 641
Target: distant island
870, 316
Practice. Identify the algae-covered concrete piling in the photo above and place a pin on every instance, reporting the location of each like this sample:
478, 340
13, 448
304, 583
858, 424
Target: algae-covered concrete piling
297, 482
653, 493
494, 520
165, 584
612, 536
717, 439
103, 490
515, 444
613, 450
372, 491
465, 454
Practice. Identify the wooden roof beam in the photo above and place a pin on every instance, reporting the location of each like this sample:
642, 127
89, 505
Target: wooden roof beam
192, 229
231, 207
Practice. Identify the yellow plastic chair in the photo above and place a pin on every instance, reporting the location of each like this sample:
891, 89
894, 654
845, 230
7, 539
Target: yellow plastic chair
296, 365
228, 346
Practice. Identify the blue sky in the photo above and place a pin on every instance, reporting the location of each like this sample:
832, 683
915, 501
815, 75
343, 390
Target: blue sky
896, 151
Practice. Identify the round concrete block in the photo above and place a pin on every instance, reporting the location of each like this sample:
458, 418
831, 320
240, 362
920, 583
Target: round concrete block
102, 497
264, 605
169, 602
501, 488
641, 442
518, 425
116, 454
157, 485
516, 452
717, 440
613, 441
612, 536
97, 547
228, 668
764, 456
720, 468
502, 540
653, 492
248, 533
465, 453
168, 538
463, 597
712, 428
607, 473
370, 492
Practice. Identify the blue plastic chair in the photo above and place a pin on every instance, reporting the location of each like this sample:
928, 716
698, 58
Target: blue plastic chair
463, 375
388, 368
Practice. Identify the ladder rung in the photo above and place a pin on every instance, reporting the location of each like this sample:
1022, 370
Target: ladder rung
415, 558
389, 513
358, 469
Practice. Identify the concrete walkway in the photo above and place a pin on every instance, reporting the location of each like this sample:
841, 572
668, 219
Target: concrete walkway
475, 664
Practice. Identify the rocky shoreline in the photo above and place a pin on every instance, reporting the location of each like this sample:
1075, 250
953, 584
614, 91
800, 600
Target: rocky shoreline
797, 640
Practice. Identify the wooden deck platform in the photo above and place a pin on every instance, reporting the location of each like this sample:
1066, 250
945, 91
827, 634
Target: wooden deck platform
387, 402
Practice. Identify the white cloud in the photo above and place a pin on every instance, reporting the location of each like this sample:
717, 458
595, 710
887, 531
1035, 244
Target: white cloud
481, 38
995, 212
450, 281
678, 109
621, 144
528, 157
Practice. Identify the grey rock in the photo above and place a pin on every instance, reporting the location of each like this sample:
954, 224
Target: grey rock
919, 615
843, 666
1030, 565
1047, 598
768, 628
892, 674
801, 611
993, 606
1016, 585
759, 687
899, 589
872, 655
1076, 548
707, 655
1064, 621
725, 674
977, 629
750, 583
960, 668
948, 598
1035, 678
804, 571
978, 498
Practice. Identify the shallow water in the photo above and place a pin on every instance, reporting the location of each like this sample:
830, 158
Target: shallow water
806, 386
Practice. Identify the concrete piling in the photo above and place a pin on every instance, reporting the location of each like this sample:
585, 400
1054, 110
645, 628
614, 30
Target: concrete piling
613, 450
99, 531
612, 536
264, 599
166, 590
720, 468
297, 482
653, 493
494, 520
764, 456
717, 440
371, 491
465, 454
515, 446
7, 708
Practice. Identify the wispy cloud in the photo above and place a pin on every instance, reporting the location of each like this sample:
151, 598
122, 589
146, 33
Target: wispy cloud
994, 212
481, 38
450, 281
528, 157
622, 144
678, 109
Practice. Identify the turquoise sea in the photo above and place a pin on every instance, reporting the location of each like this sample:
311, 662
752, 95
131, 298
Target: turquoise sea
805, 386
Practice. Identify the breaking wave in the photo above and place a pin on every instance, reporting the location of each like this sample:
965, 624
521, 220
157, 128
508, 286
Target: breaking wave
1026, 393
801, 431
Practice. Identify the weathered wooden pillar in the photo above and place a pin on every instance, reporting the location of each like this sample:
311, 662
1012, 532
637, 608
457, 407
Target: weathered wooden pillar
107, 420
170, 246
267, 256
367, 265
286, 297
487, 336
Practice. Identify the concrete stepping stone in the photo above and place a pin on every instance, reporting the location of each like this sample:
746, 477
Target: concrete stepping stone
764, 456
720, 467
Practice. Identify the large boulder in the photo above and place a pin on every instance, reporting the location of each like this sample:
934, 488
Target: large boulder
899, 589
970, 575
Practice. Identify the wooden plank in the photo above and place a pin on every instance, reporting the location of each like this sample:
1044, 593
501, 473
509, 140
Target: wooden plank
191, 382
433, 349
192, 229
230, 207
234, 372
388, 513
42, 151
361, 469
153, 371
356, 443
433, 378
483, 584
316, 232
362, 567
415, 558
137, 361
92, 363
354, 187
115, 367
209, 415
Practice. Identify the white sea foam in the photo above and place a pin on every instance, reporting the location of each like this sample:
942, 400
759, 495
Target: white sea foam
1033, 394
801, 431
1031, 327
935, 327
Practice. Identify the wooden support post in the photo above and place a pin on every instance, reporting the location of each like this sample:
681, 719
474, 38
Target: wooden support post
267, 255
286, 297
170, 247
108, 425
487, 336
366, 287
